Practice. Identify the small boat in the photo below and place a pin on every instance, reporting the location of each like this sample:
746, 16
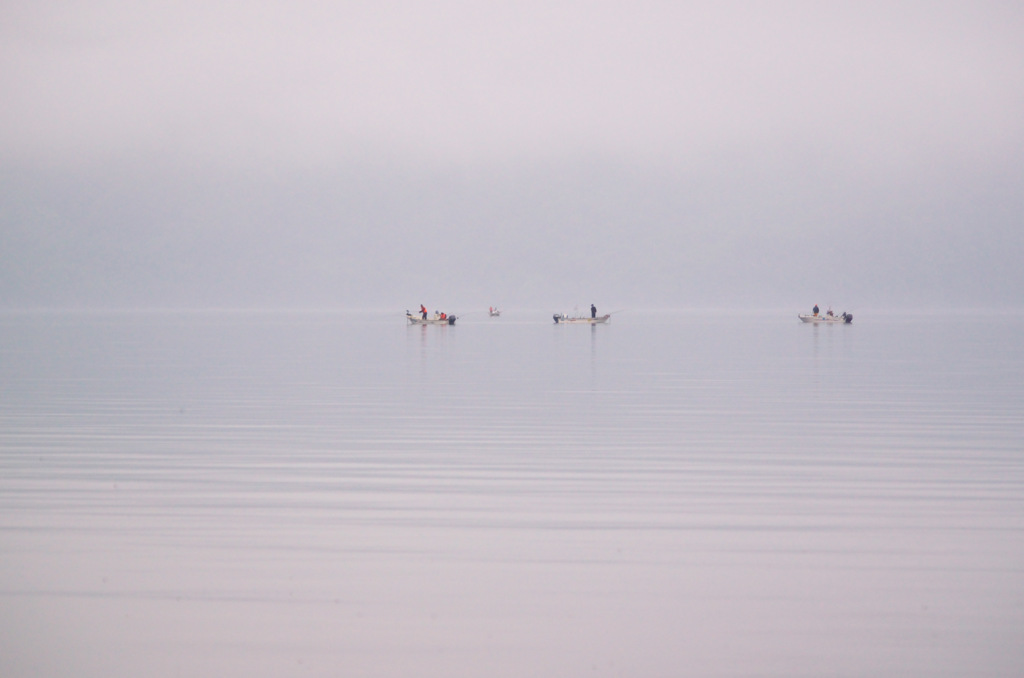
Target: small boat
435, 319
493, 312
827, 318
562, 319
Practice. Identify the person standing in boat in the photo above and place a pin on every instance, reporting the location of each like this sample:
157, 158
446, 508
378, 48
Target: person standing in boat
815, 309
423, 311
593, 311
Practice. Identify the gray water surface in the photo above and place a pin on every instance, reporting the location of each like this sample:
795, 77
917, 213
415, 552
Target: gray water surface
331, 494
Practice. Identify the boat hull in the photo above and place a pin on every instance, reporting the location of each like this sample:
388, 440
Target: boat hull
566, 320
844, 319
419, 320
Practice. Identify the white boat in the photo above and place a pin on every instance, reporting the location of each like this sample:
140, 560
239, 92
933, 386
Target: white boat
827, 318
562, 319
435, 319
494, 312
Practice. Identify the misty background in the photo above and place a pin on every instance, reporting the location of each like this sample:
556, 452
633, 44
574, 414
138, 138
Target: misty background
535, 154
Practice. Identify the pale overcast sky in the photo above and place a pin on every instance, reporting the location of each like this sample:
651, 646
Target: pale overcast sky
384, 154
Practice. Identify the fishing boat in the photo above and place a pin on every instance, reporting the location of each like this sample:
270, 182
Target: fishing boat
827, 318
493, 312
435, 319
562, 319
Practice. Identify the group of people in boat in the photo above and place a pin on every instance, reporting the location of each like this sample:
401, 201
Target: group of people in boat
437, 314
828, 317
828, 312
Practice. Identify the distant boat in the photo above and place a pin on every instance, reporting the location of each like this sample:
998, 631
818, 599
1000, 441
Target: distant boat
435, 319
562, 319
827, 318
493, 312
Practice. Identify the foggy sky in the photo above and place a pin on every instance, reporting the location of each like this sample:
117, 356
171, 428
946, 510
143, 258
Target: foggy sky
460, 154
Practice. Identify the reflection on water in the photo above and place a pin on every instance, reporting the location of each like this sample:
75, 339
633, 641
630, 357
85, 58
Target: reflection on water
276, 494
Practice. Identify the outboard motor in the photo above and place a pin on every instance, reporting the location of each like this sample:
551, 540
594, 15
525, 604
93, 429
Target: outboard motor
847, 317
451, 320
557, 317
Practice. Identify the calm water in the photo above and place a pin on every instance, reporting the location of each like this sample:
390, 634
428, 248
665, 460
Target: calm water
304, 494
